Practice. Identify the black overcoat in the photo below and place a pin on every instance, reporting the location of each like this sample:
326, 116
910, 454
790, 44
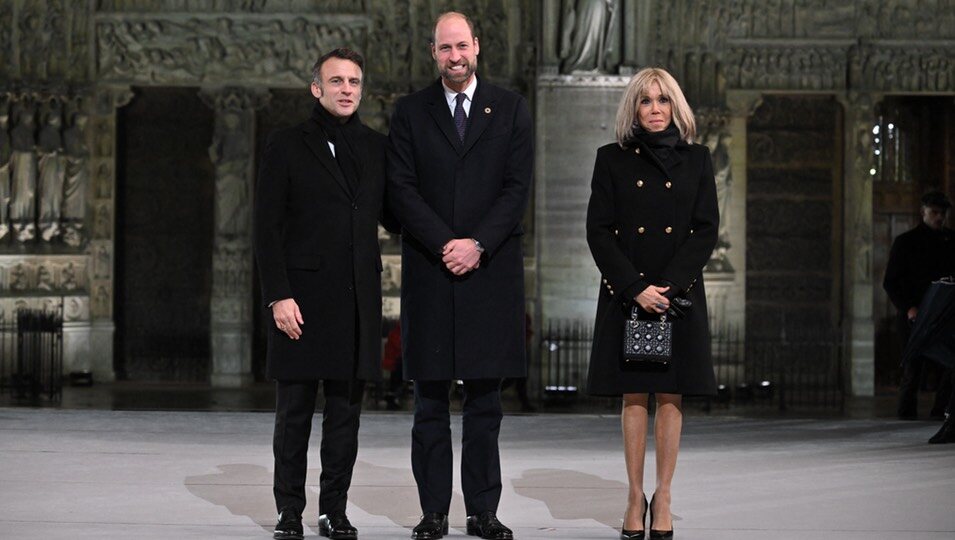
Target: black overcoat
917, 258
316, 240
646, 224
472, 326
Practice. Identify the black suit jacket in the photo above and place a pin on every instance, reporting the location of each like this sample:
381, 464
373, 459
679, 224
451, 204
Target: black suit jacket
440, 188
317, 241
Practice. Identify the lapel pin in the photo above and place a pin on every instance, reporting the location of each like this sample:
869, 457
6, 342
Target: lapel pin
487, 110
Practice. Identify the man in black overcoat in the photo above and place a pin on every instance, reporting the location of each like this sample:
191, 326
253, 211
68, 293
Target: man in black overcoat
917, 258
318, 202
459, 171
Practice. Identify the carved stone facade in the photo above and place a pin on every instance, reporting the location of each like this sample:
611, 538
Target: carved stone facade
70, 64
73, 63
726, 56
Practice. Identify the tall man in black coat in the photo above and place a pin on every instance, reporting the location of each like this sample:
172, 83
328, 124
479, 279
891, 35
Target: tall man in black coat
459, 173
318, 202
917, 258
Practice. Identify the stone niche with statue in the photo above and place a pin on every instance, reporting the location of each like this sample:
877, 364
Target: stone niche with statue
73, 65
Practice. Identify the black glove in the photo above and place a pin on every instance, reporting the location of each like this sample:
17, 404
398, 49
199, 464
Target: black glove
678, 304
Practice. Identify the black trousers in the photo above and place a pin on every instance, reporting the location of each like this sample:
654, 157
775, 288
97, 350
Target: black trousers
431, 458
911, 380
294, 406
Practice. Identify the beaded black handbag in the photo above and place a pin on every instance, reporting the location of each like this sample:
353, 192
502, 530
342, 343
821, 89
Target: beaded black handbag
647, 341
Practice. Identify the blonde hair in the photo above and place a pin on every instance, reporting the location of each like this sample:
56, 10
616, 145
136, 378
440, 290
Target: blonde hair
638, 87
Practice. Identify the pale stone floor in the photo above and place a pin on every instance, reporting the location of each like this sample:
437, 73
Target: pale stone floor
76, 474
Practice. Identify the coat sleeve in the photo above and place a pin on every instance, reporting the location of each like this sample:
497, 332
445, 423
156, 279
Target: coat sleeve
691, 257
507, 211
894, 281
416, 216
613, 263
269, 222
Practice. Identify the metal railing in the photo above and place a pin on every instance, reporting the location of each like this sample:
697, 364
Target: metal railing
31, 354
767, 374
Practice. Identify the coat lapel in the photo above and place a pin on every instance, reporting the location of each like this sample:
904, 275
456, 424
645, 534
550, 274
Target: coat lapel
482, 110
438, 108
318, 144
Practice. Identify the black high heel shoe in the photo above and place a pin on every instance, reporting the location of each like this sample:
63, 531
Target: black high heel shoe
657, 534
641, 534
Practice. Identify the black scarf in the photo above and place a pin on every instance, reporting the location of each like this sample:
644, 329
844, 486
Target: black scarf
344, 136
662, 143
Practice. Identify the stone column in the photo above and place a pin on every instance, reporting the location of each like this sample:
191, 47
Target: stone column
550, 36
857, 241
567, 278
232, 153
102, 246
740, 107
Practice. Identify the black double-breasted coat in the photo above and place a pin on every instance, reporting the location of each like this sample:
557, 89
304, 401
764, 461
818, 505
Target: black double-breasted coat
316, 241
440, 188
647, 223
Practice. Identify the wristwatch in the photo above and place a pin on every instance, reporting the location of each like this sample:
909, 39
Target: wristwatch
478, 245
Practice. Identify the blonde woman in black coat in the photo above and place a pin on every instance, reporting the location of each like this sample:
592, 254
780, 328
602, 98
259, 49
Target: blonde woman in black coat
652, 224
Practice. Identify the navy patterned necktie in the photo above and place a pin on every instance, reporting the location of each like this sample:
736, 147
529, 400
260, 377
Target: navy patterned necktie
460, 119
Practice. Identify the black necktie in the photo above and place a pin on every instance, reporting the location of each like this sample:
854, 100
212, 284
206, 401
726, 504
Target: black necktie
460, 119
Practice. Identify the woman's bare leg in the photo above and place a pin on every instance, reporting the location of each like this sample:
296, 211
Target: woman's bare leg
634, 423
667, 425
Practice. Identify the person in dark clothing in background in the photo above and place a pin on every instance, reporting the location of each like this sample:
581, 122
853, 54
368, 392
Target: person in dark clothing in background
919, 257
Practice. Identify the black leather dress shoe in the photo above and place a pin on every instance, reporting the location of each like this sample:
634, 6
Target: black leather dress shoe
946, 433
432, 526
486, 525
289, 526
336, 526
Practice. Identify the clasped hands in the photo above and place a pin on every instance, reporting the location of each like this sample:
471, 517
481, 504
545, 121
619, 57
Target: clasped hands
461, 256
663, 299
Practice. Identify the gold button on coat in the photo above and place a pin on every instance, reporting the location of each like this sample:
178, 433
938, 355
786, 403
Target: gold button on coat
639, 183
669, 230
669, 184
640, 230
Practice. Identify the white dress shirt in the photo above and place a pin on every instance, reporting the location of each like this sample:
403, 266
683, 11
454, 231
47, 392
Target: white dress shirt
452, 95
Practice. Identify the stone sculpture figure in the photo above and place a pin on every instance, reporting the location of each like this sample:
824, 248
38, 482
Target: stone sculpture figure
5, 153
24, 167
68, 276
77, 180
51, 176
718, 143
230, 153
590, 36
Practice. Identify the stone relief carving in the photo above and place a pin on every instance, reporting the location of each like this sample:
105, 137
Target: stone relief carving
101, 301
102, 261
5, 154
714, 133
916, 69
103, 220
189, 49
590, 36
785, 67
47, 40
237, 6
31, 275
838, 19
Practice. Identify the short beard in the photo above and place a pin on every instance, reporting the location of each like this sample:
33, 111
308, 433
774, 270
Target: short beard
469, 70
